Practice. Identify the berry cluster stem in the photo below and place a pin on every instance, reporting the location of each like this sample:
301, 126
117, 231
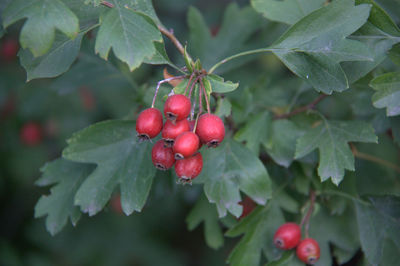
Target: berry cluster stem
205, 95
159, 84
306, 219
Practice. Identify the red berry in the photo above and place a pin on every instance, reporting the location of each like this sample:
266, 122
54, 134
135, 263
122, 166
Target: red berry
210, 130
149, 123
189, 168
177, 107
162, 157
31, 134
287, 236
9, 49
248, 206
171, 131
186, 144
308, 251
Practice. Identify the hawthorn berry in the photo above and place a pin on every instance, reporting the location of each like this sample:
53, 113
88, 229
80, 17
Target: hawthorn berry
149, 123
31, 134
170, 130
189, 168
287, 236
9, 49
248, 206
308, 251
161, 156
177, 107
210, 129
185, 145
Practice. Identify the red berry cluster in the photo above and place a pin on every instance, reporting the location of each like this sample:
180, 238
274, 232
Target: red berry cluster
182, 137
288, 236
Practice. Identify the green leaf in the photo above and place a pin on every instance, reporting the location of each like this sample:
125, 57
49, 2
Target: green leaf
281, 143
377, 223
59, 205
228, 169
388, 93
57, 61
314, 46
255, 131
130, 33
258, 229
43, 18
379, 34
331, 138
237, 27
204, 212
219, 85
288, 258
120, 159
160, 57
395, 122
286, 11
224, 107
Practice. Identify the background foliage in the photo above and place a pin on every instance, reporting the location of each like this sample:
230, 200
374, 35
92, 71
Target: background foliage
310, 97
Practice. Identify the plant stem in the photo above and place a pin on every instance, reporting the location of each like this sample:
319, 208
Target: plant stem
205, 95
170, 35
107, 4
306, 218
374, 159
190, 80
159, 84
302, 108
262, 50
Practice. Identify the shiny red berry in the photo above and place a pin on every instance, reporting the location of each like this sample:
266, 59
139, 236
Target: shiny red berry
161, 156
308, 251
177, 107
31, 134
9, 49
210, 129
287, 236
248, 206
172, 130
149, 123
185, 145
189, 168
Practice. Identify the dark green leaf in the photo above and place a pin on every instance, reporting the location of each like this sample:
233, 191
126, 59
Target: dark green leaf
57, 61
288, 258
314, 46
258, 229
130, 33
255, 131
120, 159
43, 18
229, 169
377, 223
59, 205
388, 92
236, 28
331, 138
286, 11
206, 213
281, 143
224, 107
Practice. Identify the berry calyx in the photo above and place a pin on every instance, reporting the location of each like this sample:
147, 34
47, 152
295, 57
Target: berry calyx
189, 168
31, 134
210, 129
308, 251
149, 123
186, 144
177, 107
161, 156
287, 236
170, 130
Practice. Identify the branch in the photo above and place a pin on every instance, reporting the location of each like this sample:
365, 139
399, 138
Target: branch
302, 108
372, 158
107, 4
306, 218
